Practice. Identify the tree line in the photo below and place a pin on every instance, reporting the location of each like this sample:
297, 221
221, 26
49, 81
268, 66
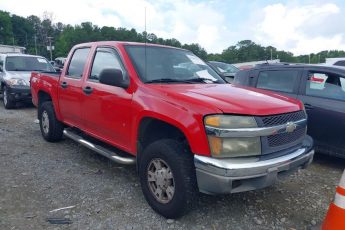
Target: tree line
34, 33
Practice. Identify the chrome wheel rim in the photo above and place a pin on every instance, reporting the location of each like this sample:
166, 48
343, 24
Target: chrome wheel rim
45, 122
160, 180
5, 97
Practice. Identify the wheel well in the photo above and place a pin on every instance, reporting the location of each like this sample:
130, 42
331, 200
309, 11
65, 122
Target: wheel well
152, 129
43, 97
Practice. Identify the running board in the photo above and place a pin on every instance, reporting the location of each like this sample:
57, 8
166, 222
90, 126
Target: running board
99, 149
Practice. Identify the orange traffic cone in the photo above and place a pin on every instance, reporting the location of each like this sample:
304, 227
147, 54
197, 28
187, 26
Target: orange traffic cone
335, 218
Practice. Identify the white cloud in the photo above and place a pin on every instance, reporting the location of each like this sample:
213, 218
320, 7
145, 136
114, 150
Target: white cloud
301, 29
186, 21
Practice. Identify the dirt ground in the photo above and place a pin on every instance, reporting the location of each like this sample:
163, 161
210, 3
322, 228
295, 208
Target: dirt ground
37, 177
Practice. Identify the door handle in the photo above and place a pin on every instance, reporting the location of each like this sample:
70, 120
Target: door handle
308, 106
64, 84
87, 90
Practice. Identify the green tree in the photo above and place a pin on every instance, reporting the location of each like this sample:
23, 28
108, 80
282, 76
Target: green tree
6, 33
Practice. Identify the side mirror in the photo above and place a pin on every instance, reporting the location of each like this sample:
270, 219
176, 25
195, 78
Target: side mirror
113, 77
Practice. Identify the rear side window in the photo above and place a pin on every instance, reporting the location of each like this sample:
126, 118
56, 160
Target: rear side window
278, 80
326, 85
77, 64
105, 58
241, 77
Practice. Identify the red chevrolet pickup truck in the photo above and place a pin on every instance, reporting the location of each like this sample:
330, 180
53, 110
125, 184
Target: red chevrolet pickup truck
168, 112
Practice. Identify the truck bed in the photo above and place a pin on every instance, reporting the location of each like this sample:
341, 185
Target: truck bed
44, 80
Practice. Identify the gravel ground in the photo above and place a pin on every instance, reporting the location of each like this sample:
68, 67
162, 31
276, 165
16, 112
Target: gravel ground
38, 177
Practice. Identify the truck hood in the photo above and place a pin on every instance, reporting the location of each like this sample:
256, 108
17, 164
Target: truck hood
231, 99
25, 75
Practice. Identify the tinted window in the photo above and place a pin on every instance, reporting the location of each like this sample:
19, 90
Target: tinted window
169, 65
76, 67
340, 63
326, 85
105, 58
278, 80
241, 77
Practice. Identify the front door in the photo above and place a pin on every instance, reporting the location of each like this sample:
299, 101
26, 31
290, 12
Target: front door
70, 87
324, 99
107, 109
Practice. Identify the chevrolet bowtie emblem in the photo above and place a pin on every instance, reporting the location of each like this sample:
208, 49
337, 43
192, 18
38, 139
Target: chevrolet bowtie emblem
290, 127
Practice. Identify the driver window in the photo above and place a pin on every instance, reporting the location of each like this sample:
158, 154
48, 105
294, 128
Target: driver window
105, 58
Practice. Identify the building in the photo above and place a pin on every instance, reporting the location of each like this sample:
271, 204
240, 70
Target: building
11, 49
249, 65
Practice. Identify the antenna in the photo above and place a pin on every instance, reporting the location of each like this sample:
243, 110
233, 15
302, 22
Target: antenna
145, 47
145, 27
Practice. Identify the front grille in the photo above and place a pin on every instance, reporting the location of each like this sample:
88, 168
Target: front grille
284, 139
282, 118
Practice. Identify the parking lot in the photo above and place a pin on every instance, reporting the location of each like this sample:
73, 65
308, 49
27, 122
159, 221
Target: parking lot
38, 177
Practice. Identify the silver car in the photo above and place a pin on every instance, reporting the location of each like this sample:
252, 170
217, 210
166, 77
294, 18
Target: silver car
15, 72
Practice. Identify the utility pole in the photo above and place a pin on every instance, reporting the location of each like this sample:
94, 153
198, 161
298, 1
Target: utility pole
50, 48
271, 54
35, 44
26, 39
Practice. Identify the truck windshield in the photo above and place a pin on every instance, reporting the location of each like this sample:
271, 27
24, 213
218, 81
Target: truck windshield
170, 66
28, 63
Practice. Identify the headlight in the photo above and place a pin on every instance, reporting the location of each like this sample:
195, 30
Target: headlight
232, 146
231, 122
16, 81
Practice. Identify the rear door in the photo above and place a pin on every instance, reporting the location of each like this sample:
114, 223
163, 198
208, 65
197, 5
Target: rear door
323, 93
70, 88
284, 81
107, 109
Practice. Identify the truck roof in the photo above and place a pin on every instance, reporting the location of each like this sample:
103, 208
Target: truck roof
114, 43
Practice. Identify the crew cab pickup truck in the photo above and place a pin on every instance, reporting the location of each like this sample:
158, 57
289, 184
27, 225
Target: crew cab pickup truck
168, 112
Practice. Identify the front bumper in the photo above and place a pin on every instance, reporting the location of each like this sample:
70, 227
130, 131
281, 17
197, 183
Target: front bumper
20, 93
222, 176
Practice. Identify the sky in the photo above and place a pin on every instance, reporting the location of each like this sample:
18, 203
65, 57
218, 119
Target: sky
300, 27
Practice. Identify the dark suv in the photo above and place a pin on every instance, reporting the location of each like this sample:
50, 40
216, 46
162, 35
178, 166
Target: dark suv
322, 90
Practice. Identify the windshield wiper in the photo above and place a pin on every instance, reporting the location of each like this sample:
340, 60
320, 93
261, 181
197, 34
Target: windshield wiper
188, 81
203, 80
169, 80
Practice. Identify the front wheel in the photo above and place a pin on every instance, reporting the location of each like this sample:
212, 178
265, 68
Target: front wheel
167, 177
9, 102
51, 127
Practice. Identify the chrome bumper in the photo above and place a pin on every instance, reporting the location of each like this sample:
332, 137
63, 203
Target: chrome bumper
221, 176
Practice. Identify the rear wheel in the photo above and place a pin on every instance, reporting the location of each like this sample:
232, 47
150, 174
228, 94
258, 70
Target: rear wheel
51, 128
167, 177
9, 102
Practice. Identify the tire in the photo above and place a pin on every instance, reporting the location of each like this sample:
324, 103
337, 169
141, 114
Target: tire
171, 154
51, 128
9, 102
